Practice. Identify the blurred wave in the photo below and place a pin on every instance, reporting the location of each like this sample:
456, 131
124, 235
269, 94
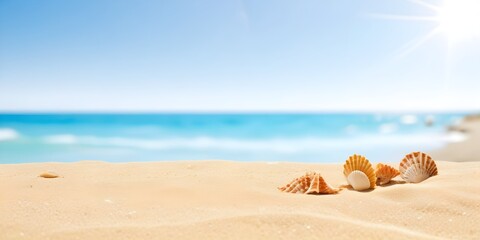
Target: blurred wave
455, 137
286, 145
7, 134
409, 119
244, 137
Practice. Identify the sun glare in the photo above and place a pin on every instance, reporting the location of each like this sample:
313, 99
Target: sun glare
460, 19
457, 20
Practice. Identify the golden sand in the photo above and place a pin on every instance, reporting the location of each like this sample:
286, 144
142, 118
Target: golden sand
229, 200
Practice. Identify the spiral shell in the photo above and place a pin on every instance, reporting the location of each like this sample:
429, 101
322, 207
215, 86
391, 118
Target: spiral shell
310, 183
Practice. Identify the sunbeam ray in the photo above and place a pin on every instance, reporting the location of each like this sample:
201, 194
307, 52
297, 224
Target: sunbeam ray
414, 44
405, 17
424, 4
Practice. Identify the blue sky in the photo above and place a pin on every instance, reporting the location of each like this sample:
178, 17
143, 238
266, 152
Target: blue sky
117, 55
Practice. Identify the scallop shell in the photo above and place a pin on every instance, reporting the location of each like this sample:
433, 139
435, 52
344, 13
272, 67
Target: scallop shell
48, 175
417, 166
310, 183
359, 173
385, 173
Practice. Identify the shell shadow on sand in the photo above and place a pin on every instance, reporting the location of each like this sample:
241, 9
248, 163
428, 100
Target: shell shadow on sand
391, 183
350, 188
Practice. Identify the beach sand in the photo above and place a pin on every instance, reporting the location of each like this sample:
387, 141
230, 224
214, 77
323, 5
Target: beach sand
235, 200
229, 200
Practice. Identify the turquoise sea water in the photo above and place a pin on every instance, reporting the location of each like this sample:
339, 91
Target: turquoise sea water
242, 137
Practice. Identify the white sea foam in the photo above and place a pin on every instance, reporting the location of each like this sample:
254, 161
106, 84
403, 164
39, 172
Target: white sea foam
7, 134
455, 137
280, 145
62, 139
409, 119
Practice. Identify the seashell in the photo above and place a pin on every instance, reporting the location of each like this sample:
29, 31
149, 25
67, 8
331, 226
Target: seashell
319, 186
310, 183
299, 185
385, 173
359, 173
417, 166
48, 175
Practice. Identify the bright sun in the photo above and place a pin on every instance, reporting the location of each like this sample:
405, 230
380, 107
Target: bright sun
457, 20
460, 19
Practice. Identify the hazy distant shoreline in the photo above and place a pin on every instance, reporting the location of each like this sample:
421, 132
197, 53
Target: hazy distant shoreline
463, 151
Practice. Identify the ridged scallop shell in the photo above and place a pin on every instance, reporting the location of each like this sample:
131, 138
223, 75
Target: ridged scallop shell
417, 166
310, 183
385, 173
359, 172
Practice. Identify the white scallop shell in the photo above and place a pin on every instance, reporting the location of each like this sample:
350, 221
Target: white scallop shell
415, 174
358, 180
416, 167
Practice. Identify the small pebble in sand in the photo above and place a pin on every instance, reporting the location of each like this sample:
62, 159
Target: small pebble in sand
48, 175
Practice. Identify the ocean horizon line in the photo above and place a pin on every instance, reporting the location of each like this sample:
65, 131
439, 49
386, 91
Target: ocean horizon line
249, 112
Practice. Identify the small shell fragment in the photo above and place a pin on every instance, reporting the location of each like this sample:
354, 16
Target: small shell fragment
385, 173
48, 175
